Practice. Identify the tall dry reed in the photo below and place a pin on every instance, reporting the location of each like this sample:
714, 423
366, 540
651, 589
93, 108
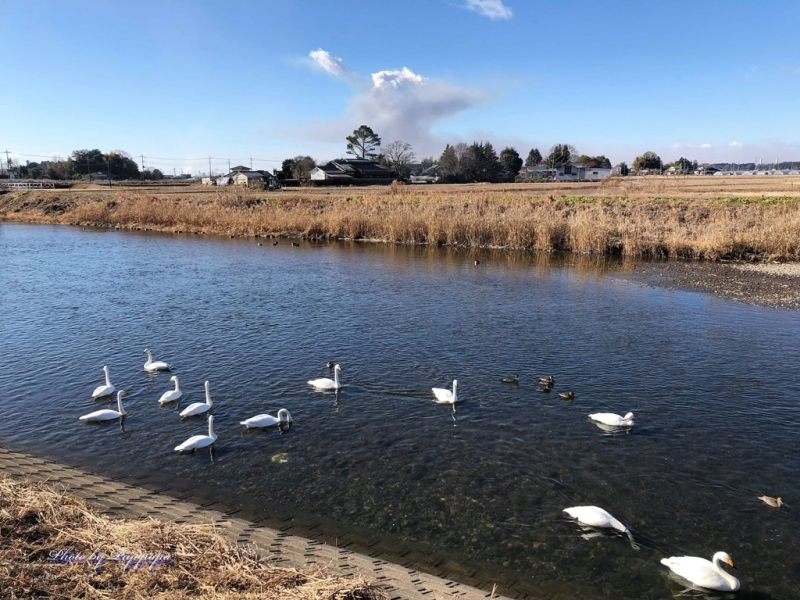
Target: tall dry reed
634, 221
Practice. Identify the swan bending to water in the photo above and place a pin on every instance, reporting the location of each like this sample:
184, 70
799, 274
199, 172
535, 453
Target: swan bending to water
594, 516
102, 391
323, 383
172, 395
704, 573
199, 441
514, 379
612, 419
444, 396
107, 414
152, 366
198, 408
266, 420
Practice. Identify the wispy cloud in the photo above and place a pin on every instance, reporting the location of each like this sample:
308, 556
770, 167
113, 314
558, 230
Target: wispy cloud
396, 104
494, 9
736, 144
705, 146
676, 146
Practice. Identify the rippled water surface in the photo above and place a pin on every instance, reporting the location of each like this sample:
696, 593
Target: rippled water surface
476, 494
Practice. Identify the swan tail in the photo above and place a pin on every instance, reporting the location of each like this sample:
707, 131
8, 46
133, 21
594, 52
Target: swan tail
666, 562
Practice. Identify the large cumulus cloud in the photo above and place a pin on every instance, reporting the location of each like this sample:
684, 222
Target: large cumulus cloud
397, 104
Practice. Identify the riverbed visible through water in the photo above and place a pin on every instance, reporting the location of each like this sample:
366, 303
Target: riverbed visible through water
476, 493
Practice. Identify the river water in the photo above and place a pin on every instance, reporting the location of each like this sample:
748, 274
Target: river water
476, 494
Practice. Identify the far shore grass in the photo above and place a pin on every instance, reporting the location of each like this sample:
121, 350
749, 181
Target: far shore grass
738, 217
45, 533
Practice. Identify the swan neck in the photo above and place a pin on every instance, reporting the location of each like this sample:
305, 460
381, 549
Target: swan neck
177, 389
108, 379
336, 378
119, 404
211, 428
455, 390
725, 575
208, 396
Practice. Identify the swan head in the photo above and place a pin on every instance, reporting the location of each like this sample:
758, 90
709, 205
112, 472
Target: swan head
173, 378
121, 393
337, 368
105, 368
146, 350
329, 364
628, 417
455, 383
724, 557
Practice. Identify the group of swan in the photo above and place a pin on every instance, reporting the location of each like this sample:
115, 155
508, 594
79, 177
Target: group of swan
197, 408
696, 570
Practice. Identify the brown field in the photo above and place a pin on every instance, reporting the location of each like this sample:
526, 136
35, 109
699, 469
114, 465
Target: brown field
736, 217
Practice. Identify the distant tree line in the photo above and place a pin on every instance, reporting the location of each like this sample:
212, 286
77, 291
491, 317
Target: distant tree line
81, 164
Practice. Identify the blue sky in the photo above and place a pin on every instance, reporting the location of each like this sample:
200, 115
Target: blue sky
713, 80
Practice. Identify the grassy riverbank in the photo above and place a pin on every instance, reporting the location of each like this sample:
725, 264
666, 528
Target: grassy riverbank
43, 534
744, 217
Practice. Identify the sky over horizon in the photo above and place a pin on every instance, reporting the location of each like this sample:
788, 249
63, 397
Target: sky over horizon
180, 81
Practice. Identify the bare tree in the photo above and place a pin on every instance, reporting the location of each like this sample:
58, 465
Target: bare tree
398, 156
302, 167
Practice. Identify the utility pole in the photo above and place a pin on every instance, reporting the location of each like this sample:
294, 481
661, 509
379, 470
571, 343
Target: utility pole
209, 166
142, 167
8, 165
251, 163
229, 165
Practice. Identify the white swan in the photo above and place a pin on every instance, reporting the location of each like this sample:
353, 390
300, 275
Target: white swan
612, 419
171, 395
704, 573
323, 383
444, 396
152, 366
198, 408
104, 390
106, 414
594, 516
199, 441
266, 420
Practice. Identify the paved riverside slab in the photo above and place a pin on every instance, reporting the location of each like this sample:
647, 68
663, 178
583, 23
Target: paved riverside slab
121, 499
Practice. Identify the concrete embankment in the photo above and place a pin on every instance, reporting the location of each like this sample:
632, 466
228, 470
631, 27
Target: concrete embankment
122, 499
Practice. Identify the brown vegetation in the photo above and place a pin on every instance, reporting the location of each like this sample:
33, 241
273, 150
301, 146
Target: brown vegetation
37, 522
691, 217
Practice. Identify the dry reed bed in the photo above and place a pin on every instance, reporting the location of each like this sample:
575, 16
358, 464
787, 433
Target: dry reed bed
619, 218
35, 520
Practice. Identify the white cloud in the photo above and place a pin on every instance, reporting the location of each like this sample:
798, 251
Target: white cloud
705, 146
327, 61
494, 9
676, 146
736, 144
396, 104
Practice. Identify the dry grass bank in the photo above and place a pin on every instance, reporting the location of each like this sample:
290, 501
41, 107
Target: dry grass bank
36, 523
742, 217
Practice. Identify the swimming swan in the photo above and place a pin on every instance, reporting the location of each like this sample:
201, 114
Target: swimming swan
268, 420
594, 516
102, 391
198, 408
323, 383
152, 366
106, 414
199, 441
514, 379
703, 573
444, 396
612, 419
171, 395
